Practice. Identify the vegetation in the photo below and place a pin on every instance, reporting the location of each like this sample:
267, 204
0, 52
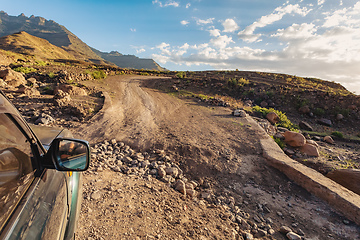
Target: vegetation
235, 83
337, 134
25, 70
98, 74
284, 121
181, 75
279, 142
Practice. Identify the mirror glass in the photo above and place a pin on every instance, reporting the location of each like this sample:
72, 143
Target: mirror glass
73, 155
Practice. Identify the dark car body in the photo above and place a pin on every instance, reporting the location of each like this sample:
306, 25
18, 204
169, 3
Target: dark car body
40, 185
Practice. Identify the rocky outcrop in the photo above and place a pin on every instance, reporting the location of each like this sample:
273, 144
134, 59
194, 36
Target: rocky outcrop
349, 178
12, 78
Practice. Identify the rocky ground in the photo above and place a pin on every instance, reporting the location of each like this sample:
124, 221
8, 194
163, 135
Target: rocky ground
170, 168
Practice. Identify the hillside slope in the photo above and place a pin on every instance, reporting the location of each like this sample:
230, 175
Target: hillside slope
29, 45
129, 61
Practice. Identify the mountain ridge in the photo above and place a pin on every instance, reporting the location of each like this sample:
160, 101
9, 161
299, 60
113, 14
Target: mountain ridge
61, 37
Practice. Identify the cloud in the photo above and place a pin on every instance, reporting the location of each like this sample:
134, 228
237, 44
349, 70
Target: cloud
248, 33
184, 22
214, 32
140, 50
188, 5
132, 29
296, 31
221, 41
321, 2
204, 22
230, 25
167, 4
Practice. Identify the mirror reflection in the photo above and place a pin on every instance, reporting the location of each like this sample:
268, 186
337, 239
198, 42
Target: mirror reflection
73, 155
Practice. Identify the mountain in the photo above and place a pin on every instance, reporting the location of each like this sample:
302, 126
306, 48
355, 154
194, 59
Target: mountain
55, 33
129, 61
29, 45
61, 37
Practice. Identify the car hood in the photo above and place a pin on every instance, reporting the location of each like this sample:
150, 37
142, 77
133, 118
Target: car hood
47, 134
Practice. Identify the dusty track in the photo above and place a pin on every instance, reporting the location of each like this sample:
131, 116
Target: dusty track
212, 147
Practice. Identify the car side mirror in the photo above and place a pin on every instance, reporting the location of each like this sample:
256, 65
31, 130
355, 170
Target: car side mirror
68, 154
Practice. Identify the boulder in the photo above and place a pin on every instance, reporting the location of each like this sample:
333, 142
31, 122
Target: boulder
28, 91
239, 113
61, 98
349, 178
325, 122
12, 78
305, 126
329, 140
304, 110
70, 89
180, 186
272, 117
312, 142
339, 117
294, 139
310, 150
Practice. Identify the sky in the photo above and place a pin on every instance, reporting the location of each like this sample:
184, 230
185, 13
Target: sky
307, 38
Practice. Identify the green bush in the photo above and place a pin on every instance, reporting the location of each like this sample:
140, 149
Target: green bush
24, 70
279, 142
337, 134
284, 121
181, 75
98, 74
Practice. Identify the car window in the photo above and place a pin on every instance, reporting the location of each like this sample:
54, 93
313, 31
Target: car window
16, 171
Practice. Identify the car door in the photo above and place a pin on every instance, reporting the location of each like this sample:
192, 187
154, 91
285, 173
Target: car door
33, 201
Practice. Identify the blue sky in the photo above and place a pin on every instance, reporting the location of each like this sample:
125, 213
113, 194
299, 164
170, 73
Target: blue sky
317, 38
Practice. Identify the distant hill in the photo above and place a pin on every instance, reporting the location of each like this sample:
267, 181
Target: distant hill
29, 45
129, 61
61, 37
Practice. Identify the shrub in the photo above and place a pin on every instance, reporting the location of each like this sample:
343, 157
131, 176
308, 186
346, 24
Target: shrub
98, 74
279, 142
337, 134
284, 121
181, 75
24, 70
51, 75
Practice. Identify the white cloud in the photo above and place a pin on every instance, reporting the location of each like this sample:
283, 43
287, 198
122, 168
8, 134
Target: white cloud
214, 32
140, 50
204, 22
248, 33
221, 41
167, 4
230, 25
184, 22
133, 29
321, 2
188, 5
296, 31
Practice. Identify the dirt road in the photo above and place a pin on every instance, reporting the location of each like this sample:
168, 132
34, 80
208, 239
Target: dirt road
218, 151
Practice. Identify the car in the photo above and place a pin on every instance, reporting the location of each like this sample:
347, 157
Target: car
40, 178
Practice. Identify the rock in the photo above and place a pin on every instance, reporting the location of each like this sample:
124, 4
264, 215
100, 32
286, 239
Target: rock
272, 117
304, 110
312, 142
12, 78
325, 122
294, 139
339, 117
239, 113
180, 186
264, 104
248, 236
70, 89
285, 229
32, 82
190, 192
28, 91
161, 172
172, 171
279, 135
329, 140
310, 150
96, 195
293, 236
61, 98
305, 126
349, 178
44, 119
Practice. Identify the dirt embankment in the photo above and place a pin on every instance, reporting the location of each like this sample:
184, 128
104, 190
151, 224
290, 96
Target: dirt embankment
221, 153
